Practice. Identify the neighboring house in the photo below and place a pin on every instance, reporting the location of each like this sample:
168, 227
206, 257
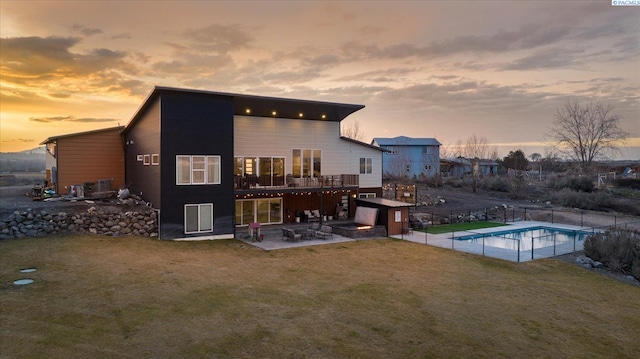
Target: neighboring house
411, 157
629, 173
93, 157
460, 167
210, 161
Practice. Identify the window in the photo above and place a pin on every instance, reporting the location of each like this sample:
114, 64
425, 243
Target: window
268, 170
197, 170
198, 218
139, 158
427, 150
147, 160
155, 160
306, 163
366, 165
427, 167
366, 195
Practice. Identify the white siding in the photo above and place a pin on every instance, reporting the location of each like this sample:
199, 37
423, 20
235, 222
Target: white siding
262, 136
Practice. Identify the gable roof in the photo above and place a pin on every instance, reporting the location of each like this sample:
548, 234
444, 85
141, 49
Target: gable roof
55, 138
263, 106
405, 141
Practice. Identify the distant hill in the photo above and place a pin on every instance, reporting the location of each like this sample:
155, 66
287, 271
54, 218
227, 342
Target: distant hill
32, 160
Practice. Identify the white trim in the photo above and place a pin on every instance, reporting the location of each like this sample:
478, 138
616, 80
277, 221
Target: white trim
205, 170
205, 238
157, 159
147, 160
198, 206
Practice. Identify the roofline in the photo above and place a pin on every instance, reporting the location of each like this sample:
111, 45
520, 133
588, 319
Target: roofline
348, 108
55, 138
348, 139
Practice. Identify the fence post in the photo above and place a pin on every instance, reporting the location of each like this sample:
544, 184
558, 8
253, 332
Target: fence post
505, 214
513, 215
554, 243
574, 240
426, 232
453, 236
552, 216
531, 247
486, 216
483, 244
518, 251
525, 213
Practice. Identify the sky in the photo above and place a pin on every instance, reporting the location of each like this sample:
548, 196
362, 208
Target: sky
441, 69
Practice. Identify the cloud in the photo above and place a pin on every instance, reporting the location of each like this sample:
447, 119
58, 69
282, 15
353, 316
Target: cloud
70, 119
32, 58
22, 140
219, 38
86, 31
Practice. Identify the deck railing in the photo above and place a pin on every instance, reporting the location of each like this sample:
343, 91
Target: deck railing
329, 181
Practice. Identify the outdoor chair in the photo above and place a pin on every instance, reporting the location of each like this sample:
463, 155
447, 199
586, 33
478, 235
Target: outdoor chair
289, 234
311, 231
324, 232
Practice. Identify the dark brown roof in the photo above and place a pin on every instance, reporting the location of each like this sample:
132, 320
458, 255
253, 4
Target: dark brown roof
54, 138
263, 106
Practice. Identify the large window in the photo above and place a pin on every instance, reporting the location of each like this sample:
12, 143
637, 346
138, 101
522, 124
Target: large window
366, 164
265, 211
306, 163
193, 170
267, 171
198, 218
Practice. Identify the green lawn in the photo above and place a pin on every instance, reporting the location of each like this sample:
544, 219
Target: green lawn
447, 228
99, 297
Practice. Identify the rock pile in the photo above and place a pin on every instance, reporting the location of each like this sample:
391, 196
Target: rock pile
142, 222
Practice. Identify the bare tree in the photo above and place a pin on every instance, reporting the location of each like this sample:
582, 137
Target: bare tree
353, 131
586, 132
478, 147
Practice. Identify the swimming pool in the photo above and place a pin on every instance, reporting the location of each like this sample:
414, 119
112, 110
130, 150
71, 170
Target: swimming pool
526, 238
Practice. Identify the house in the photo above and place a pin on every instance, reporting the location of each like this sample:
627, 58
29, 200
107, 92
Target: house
88, 159
212, 161
411, 157
460, 167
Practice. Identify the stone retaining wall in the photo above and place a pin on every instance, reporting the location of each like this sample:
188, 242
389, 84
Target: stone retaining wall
33, 223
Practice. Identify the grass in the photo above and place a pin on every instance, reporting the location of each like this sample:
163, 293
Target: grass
447, 228
134, 297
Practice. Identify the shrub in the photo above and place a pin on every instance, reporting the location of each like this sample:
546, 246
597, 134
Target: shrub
494, 184
573, 199
631, 183
580, 184
617, 249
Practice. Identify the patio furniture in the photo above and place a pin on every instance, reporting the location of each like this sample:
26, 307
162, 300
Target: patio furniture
312, 216
311, 231
290, 235
324, 232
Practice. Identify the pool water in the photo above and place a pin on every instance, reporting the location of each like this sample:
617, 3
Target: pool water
539, 237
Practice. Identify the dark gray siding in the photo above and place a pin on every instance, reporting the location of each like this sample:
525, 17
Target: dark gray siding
196, 124
144, 139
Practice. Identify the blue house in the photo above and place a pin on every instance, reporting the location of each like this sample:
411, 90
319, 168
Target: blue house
410, 157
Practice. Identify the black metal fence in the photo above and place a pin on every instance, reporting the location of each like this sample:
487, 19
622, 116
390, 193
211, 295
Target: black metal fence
500, 242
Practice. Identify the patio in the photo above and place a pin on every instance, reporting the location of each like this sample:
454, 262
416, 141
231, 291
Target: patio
272, 236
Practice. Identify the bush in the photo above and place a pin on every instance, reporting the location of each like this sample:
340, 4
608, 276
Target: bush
627, 183
580, 184
494, 184
573, 199
617, 249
